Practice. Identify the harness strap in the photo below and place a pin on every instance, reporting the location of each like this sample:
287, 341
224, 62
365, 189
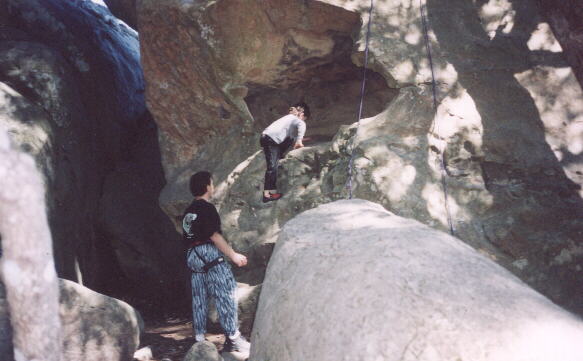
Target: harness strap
207, 265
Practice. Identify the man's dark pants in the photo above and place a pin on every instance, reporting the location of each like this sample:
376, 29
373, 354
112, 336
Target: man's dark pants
273, 152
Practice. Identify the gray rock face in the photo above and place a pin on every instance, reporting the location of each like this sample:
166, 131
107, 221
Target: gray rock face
97, 327
203, 351
375, 286
98, 45
125, 10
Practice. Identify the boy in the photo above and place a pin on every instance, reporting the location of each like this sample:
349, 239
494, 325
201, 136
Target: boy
211, 274
276, 139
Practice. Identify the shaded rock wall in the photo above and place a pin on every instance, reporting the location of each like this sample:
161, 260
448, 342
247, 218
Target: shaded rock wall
47, 119
73, 90
565, 18
125, 10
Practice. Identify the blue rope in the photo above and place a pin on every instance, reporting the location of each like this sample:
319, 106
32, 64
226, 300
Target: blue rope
362, 89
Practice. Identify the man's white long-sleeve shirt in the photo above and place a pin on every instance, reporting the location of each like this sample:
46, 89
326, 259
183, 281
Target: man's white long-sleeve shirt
285, 127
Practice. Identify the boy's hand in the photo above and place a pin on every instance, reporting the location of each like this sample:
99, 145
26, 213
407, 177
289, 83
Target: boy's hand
298, 145
239, 259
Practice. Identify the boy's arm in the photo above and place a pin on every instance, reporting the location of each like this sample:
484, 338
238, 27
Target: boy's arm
237, 258
301, 131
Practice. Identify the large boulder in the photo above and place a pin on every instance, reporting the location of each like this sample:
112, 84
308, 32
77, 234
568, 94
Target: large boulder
94, 326
375, 286
507, 127
97, 327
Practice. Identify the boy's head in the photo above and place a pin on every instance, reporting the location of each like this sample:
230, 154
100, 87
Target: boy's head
302, 108
200, 183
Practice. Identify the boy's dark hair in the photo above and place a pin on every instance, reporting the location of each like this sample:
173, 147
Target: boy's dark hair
198, 183
303, 106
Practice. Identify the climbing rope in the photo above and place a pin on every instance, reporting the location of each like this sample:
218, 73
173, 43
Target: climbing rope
435, 126
351, 161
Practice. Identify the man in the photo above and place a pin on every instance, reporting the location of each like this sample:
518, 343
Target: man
211, 275
276, 139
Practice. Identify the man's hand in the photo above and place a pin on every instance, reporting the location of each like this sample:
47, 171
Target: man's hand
224, 247
298, 145
239, 259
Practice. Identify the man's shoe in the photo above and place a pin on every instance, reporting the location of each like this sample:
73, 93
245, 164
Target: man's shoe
239, 344
272, 197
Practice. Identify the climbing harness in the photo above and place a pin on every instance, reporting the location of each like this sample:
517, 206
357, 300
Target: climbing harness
434, 93
207, 265
362, 89
435, 123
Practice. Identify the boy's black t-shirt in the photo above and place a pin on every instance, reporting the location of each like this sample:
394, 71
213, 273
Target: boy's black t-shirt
200, 221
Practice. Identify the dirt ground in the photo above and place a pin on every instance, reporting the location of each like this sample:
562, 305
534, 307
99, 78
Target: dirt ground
171, 337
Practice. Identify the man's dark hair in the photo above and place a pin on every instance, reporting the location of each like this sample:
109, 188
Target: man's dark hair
198, 183
304, 106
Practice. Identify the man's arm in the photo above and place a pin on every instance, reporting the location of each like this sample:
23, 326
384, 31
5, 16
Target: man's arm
237, 258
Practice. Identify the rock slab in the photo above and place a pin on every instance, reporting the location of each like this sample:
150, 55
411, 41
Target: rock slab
351, 281
95, 326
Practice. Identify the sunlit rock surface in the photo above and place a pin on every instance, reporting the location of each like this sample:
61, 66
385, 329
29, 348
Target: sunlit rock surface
352, 281
95, 327
506, 127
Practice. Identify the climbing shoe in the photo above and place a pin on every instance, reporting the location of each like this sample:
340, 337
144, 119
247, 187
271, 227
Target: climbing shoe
238, 344
272, 197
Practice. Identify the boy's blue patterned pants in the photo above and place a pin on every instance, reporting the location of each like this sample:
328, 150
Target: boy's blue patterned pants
218, 283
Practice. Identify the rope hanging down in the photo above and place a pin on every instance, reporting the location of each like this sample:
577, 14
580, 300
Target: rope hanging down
435, 124
434, 92
351, 161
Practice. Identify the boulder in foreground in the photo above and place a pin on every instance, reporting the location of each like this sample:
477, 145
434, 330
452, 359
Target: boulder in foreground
351, 281
97, 327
